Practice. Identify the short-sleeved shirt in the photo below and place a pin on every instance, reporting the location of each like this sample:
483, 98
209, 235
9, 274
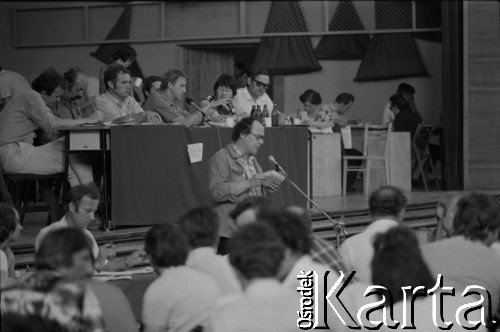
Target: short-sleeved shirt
23, 115
112, 108
12, 84
168, 109
243, 102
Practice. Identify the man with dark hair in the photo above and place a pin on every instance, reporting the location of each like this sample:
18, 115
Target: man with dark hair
181, 297
116, 104
123, 56
257, 253
234, 174
201, 227
75, 103
407, 92
167, 100
31, 111
9, 220
387, 207
150, 83
11, 84
253, 94
82, 202
466, 258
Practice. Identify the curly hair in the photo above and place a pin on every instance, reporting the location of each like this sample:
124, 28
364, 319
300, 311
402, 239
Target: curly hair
48, 81
225, 80
344, 98
244, 126
111, 74
167, 245
311, 96
125, 54
477, 215
147, 84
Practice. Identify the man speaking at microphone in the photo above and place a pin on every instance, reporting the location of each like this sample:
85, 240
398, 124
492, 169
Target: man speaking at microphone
235, 174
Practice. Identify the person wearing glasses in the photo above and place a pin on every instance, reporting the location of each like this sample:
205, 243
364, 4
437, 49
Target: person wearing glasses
253, 94
235, 174
29, 112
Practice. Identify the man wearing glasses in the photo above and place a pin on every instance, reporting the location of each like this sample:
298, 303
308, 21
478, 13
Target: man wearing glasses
253, 94
235, 174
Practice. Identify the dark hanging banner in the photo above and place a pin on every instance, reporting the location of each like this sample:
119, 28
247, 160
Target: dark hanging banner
289, 54
345, 47
121, 30
394, 55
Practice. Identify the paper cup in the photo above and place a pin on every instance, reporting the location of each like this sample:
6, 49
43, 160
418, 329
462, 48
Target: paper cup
267, 122
230, 122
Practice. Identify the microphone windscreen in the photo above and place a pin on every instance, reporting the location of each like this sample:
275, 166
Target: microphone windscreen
271, 159
189, 101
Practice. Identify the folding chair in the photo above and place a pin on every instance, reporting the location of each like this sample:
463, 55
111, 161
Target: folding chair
374, 149
421, 154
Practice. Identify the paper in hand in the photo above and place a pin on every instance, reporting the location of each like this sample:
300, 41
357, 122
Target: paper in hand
274, 176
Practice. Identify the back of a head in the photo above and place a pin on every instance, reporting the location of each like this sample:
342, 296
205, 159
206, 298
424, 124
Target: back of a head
302, 214
397, 262
4, 235
256, 251
249, 202
47, 81
400, 102
477, 216
111, 74
58, 247
147, 83
171, 77
405, 89
344, 98
387, 201
200, 226
77, 192
167, 245
8, 217
125, 54
290, 228
311, 96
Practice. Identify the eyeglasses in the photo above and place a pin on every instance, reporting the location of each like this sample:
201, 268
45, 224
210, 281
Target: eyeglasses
257, 137
260, 84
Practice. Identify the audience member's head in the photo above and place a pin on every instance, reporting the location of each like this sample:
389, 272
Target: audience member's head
242, 78
398, 262
118, 81
445, 213
248, 134
407, 91
256, 251
166, 245
82, 202
344, 102
174, 81
68, 251
201, 227
50, 86
9, 219
150, 83
302, 214
310, 98
225, 87
258, 83
387, 202
477, 218
124, 56
246, 210
4, 237
76, 83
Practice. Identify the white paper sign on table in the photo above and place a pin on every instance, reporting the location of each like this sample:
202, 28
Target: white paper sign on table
346, 136
195, 152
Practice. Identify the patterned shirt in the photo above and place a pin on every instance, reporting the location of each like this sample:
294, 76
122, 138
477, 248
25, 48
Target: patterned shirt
250, 171
168, 109
324, 253
112, 108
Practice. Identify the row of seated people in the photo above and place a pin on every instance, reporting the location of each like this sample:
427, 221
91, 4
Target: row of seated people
264, 283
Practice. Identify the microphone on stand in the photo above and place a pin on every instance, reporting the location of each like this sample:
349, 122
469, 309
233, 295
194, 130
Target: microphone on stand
190, 102
339, 226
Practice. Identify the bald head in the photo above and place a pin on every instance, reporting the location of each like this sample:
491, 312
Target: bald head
387, 202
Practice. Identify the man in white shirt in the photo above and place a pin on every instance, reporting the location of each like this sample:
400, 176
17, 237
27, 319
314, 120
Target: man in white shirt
387, 208
253, 94
201, 227
116, 104
11, 84
82, 204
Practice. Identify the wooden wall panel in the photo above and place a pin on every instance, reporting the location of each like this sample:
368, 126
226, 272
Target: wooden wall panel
482, 114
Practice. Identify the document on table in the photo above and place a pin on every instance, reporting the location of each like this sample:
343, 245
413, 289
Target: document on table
195, 152
144, 270
346, 136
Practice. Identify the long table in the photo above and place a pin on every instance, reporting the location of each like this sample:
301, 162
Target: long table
153, 180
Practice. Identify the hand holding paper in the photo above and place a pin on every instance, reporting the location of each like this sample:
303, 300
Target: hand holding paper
272, 180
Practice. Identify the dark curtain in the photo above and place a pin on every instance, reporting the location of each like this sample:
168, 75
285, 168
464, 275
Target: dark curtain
344, 47
391, 56
452, 55
121, 30
289, 54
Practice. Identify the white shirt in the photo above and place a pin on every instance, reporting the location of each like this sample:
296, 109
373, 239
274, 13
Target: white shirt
357, 251
205, 260
264, 306
112, 108
4, 263
243, 102
12, 83
179, 299
388, 116
63, 223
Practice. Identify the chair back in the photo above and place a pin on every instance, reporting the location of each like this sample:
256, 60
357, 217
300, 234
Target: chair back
375, 140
